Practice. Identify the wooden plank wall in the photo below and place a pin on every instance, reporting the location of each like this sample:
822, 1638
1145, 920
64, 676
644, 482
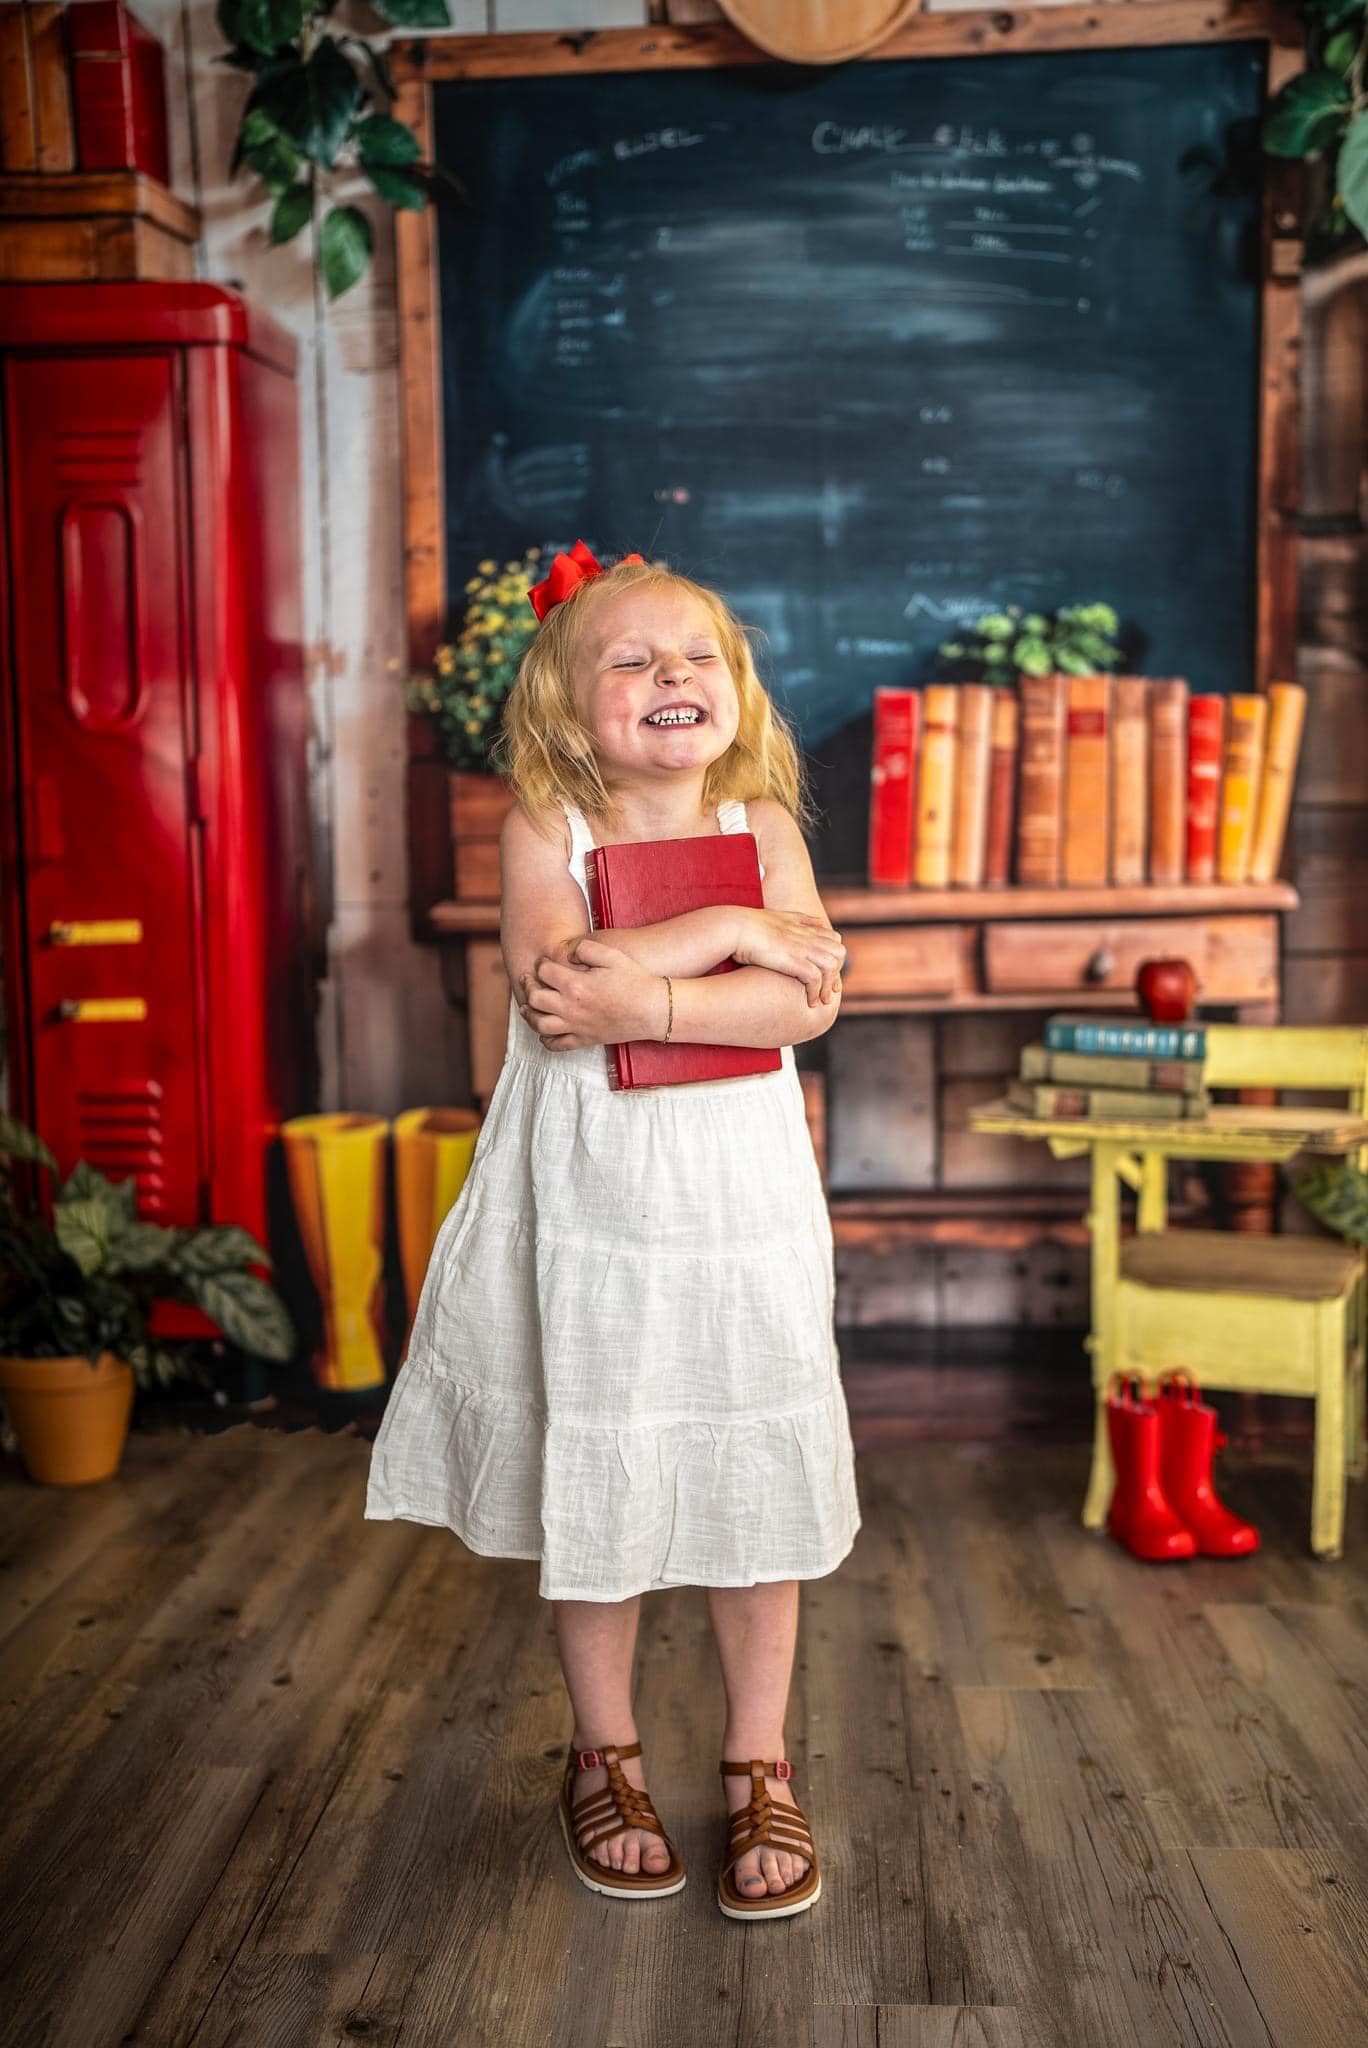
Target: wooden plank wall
389, 1034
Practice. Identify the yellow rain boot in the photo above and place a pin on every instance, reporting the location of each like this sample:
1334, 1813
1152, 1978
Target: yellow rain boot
336, 1167
433, 1149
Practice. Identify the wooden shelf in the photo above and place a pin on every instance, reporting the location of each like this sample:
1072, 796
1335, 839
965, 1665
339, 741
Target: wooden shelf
1013, 1220
849, 902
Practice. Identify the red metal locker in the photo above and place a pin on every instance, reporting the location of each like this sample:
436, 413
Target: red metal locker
159, 919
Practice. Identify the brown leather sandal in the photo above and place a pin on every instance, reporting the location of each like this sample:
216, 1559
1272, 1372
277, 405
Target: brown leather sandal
611, 1810
764, 1823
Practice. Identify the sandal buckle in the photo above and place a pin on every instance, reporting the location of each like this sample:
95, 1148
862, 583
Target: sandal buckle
588, 1758
783, 1768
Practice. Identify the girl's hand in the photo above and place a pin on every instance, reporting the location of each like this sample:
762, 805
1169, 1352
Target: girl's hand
793, 942
592, 994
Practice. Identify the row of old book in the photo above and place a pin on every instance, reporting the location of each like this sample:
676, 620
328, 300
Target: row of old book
1079, 780
1113, 1067
83, 88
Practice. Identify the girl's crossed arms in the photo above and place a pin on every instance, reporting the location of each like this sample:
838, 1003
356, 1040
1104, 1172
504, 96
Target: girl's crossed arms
577, 990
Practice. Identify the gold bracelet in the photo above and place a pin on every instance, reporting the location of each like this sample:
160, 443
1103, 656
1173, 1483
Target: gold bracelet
669, 990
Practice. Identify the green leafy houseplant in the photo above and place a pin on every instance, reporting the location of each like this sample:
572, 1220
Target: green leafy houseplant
463, 691
1322, 113
1000, 647
85, 1283
319, 104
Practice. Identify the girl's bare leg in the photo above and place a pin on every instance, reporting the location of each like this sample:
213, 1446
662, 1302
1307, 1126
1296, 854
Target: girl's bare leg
597, 1644
756, 1628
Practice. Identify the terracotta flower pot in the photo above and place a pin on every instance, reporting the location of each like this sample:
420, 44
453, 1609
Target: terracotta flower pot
71, 1418
479, 805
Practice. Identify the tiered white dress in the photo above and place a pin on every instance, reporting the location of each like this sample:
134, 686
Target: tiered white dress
623, 1360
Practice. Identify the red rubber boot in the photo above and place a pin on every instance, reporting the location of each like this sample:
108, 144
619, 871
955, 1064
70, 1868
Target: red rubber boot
1188, 1440
1140, 1518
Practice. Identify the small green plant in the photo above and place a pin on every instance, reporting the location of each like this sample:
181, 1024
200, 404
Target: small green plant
1322, 113
463, 691
319, 104
1001, 647
85, 1283
1335, 1191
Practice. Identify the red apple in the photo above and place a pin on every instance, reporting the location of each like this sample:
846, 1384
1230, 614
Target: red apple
1166, 989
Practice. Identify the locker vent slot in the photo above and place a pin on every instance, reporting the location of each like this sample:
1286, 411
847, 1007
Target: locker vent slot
119, 1131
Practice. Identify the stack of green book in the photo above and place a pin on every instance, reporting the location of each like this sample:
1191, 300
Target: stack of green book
1113, 1067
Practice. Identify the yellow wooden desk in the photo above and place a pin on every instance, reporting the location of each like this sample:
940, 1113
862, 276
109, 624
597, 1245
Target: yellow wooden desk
1137, 1153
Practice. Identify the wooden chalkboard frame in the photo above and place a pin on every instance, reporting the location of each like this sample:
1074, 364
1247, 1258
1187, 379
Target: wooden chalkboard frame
420, 62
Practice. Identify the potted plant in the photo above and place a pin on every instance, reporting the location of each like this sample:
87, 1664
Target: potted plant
463, 693
75, 1296
1322, 114
1000, 647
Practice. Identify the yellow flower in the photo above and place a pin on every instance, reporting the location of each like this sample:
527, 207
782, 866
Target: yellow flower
477, 703
513, 566
496, 619
446, 661
472, 725
474, 583
534, 554
488, 568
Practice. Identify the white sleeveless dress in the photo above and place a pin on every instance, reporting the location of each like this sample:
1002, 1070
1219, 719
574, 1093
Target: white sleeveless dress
623, 1360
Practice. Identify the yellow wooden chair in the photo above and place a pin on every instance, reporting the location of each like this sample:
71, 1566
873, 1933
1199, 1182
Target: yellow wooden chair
1267, 1315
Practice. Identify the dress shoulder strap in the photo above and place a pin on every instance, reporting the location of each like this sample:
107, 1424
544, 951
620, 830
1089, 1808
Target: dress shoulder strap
731, 817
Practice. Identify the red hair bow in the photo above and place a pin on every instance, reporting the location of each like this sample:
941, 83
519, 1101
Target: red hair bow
567, 574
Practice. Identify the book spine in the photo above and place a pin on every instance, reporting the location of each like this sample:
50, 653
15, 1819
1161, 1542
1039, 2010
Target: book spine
600, 917
1244, 751
18, 107
1286, 717
1042, 777
1044, 1099
1130, 778
892, 788
973, 747
1087, 779
118, 90
1168, 779
1108, 1070
1206, 727
51, 86
1002, 768
1150, 1041
936, 786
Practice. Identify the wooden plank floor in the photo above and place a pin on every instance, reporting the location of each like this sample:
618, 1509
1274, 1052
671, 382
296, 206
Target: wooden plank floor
276, 1776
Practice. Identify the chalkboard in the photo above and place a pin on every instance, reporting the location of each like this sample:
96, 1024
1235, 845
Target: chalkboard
871, 349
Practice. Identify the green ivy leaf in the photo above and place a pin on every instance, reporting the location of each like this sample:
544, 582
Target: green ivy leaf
379, 140
400, 188
415, 13
85, 1229
1352, 173
344, 247
141, 1247
267, 25
1340, 51
217, 1248
290, 212
276, 163
312, 103
1306, 114
995, 626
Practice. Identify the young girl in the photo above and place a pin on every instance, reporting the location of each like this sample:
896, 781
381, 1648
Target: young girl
623, 1360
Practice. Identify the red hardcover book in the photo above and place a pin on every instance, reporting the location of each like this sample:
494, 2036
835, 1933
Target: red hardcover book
654, 879
118, 84
892, 787
1206, 745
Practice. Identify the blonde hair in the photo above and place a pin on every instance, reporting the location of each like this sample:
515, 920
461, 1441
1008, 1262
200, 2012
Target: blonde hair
548, 755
